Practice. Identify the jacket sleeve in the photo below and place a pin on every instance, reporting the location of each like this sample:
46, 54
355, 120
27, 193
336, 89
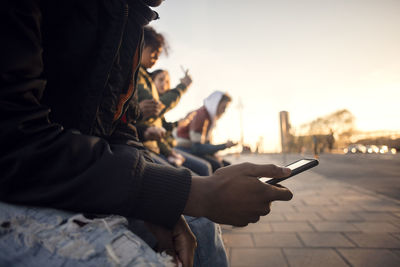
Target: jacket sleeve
143, 92
169, 126
171, 98
165, 148
43, 165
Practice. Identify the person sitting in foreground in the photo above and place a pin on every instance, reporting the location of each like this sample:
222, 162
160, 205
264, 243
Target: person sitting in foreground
200, 166
194, 133
84, 55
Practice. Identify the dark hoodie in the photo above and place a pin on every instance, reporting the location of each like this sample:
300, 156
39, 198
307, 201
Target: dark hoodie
83, 56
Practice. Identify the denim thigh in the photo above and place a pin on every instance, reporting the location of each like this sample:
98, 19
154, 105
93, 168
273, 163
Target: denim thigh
210, 248
196, 164
40, 237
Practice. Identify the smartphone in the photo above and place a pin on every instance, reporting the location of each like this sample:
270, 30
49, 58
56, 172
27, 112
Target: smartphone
297, 167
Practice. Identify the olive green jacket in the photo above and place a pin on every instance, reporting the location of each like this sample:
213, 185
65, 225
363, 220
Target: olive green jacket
147, 90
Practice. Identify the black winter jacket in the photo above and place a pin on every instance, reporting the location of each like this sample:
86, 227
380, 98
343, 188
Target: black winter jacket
82, 56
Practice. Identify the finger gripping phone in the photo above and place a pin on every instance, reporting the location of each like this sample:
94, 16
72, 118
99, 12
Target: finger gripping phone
296, 167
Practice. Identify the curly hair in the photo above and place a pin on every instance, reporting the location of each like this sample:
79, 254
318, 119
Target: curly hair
154, 39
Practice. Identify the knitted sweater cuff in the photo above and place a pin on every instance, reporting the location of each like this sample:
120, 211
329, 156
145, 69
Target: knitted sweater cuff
164, 193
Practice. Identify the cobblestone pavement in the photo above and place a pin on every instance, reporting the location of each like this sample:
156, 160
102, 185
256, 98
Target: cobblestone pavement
328, 223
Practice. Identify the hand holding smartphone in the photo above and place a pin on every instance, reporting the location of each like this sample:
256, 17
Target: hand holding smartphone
296, 167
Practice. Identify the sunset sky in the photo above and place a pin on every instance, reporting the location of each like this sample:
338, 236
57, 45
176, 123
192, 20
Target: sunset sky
309, 57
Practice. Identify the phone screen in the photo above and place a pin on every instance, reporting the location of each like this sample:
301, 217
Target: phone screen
297, 164
296, 167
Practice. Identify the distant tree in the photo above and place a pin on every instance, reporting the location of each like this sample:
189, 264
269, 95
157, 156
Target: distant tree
340, 124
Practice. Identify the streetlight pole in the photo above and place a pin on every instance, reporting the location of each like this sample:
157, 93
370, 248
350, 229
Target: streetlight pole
240, 109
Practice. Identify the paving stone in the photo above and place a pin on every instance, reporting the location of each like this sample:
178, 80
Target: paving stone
383, 201
291, 227
305, 193
381, 207
281, 206
302, 216
397, 235
296, 201
396, 251
370, 257
344, 208
319, 201
308, 257
325, 240
355, 197
272, 217
339, 192
257, 257
277, 240
314, 208
373, 227
374, 240
376, 216
295, 206
225, 227
339, 216
238, 240
334, 227
253, 228
395, 222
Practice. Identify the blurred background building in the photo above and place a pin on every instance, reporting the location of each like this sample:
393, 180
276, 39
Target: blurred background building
334, 133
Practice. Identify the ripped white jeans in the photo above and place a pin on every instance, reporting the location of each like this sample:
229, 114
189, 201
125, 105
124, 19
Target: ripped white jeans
47, 237
31, 236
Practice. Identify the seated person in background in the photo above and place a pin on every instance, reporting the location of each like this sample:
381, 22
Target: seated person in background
194, 132
154, 106
200, 166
